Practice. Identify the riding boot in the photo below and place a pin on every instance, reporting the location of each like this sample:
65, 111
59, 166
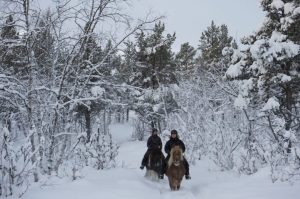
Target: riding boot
187, 169
145, 159
144, 162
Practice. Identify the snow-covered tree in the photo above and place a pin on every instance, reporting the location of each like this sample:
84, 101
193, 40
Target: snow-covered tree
11, 47
67, 81
7, 162
213, 41
151, 64
185, 58
267, 68
43, 46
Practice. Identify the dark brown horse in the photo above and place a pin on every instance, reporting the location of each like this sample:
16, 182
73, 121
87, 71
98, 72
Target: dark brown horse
175, 168
155, 163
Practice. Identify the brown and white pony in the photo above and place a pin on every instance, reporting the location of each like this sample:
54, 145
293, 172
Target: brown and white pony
154, 165
175, 168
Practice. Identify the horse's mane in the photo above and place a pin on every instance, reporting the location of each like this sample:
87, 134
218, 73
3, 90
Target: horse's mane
171, 159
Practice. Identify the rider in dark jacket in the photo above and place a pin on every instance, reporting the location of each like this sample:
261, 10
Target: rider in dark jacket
153, 141
174, 141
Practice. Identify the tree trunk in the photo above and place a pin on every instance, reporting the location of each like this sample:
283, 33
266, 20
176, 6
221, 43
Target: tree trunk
127, 115
289, 104
87, 115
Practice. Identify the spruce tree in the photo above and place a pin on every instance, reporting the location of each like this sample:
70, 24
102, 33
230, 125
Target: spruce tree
268, 68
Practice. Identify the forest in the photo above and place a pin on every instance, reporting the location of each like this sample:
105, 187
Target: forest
65, 77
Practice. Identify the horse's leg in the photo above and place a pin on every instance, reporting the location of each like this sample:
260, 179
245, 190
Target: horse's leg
147, 173
171, 184
176, 183
163, 165
173, 188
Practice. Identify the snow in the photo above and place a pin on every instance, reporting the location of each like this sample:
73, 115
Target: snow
156, 107
296, 11
287, 134
114, 72
277, 47
272, 103
121, 133
284, 78
97, 91
288, 8
277, 4
246, 86
240, 102
234, 71
127, 181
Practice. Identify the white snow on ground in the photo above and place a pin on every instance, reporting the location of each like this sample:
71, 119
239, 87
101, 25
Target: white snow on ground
121, 133
127, 181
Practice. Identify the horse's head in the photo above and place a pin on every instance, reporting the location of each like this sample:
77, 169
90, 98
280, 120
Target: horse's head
175, 170
176, 155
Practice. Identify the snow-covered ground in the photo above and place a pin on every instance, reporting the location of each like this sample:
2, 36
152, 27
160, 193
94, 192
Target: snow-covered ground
127, 181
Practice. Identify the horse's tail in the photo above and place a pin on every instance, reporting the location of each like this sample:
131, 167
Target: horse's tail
149, 160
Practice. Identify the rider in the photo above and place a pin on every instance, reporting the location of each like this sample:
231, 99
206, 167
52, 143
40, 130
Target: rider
174, 140
153, 141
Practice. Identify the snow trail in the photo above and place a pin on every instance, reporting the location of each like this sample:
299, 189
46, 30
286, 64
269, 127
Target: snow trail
127, 181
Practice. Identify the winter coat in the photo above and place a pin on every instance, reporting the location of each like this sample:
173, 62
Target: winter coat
172, 142
154, 141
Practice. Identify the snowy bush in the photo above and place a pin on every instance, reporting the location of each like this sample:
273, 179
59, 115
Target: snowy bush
140, 128
205, 122
102, 151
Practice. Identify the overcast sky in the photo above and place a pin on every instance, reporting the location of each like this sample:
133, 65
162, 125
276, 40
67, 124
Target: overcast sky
188, 18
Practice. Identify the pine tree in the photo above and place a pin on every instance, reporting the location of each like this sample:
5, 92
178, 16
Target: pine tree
43, 46
271, 60
11, 47
268, 69
150, 61
155, 57
9, 30
185, 57
212, 42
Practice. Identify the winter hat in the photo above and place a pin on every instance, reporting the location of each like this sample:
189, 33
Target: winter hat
154, 130
174, 132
